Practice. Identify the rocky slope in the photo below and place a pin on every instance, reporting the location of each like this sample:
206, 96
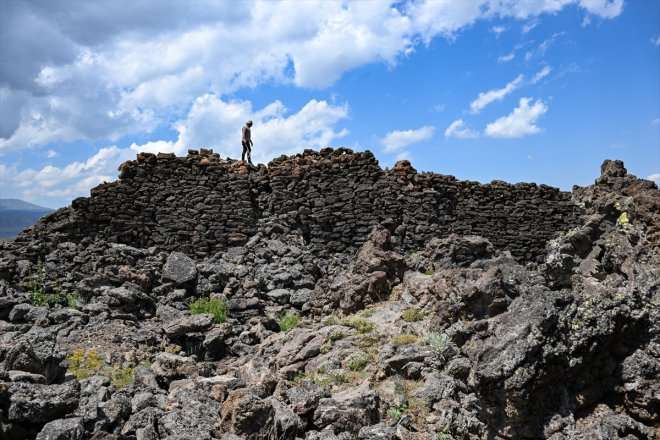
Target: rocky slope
406, 330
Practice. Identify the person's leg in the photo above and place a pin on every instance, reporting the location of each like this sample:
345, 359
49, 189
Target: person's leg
249, 154
244, 150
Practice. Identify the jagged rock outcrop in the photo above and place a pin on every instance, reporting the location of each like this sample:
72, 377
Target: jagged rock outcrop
417, 314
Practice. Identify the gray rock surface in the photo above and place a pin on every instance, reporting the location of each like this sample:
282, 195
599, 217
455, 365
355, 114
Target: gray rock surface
420, 306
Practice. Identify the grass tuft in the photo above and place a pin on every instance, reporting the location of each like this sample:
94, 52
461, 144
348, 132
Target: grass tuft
404, 339
412, 315
120, 377
213, 306
357, 360
359, 323
83, 364
288, 321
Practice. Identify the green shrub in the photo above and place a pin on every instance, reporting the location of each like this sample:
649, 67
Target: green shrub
438, 343
323, 381
429, 271
83, 363
367, 341
72, 301
326, 347
213, 306
36, 286
394, 413
404, 339
412, 315
359, 323
338, 376
330, 320
300, 377
39, 297
288, 321
357, 360
336, 335
120, 377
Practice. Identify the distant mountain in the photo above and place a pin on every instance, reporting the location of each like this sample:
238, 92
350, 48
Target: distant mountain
20, 205
16, 215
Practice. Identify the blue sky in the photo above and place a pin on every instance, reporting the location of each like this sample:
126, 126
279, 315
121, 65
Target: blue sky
523, 91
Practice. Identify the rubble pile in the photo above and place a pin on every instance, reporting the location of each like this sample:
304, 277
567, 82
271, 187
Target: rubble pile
325, 298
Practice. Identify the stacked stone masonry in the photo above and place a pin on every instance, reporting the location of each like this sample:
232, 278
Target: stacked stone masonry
202, 204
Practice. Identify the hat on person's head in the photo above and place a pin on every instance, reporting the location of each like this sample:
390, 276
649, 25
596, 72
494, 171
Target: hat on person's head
248, 123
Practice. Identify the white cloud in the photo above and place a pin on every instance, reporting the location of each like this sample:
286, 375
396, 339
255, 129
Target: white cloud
58, 185
521, 122
655, 41
105, 72
541, 74
544, 46
396, 140
486, 98
603, 8
459, 129
497, 30
214, 123
506, 58
530, 25
655, 177
51, 154
438, 108
210, 123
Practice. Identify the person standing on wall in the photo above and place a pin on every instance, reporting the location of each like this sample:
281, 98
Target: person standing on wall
246, 140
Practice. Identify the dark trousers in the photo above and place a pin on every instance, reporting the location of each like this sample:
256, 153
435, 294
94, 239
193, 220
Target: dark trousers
248, 149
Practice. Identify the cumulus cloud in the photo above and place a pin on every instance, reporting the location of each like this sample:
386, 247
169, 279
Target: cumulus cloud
396, 140
459, 129
56, 186
603, 8
655, 177
210, 123
215, 123
521, 122
486, 98
105, 72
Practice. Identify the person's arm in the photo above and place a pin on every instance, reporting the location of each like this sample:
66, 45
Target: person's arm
243, 134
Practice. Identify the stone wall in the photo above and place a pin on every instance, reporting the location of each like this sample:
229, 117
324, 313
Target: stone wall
202, 204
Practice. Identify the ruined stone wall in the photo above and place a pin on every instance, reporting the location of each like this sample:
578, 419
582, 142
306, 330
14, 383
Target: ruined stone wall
201, 204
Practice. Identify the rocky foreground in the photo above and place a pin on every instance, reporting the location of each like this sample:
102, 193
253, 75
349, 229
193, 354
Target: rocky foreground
455, 340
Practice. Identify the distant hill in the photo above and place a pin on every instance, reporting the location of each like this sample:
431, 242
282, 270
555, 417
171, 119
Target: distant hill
16, 215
